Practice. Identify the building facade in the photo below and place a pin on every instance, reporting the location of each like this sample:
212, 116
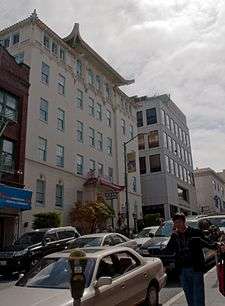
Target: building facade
210, 190
78, 119
14, 86
165, 157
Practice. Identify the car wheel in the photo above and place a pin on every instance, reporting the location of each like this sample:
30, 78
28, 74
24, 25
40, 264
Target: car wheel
152, 298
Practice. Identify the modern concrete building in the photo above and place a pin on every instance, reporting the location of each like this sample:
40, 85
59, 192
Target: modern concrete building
78, 119
165, 157
210, 187
14, 86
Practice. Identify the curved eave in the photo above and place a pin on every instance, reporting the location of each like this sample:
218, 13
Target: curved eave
75, 41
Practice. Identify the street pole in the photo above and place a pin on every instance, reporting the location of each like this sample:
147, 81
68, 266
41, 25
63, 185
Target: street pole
126, 189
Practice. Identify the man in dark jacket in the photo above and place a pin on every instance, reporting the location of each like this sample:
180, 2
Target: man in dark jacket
187, 244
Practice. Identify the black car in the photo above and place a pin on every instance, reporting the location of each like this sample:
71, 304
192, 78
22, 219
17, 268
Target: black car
32, 246
154, 247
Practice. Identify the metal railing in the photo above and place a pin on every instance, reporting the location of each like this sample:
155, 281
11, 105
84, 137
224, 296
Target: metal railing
7, 164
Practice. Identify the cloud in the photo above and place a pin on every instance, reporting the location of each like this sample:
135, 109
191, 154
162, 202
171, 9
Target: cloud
174, 46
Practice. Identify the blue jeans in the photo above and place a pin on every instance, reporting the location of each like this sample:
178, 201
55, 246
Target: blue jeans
193, 286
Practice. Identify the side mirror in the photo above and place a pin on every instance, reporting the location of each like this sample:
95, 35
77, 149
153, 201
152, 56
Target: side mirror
103, 281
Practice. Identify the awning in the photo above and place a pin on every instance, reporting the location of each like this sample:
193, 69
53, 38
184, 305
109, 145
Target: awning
103, 182
15, 197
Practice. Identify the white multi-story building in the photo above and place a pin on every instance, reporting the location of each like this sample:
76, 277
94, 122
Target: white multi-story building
210, 190
78, 119
165, 157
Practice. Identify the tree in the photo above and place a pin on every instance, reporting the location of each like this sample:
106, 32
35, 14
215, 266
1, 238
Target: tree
91, 215
46, 220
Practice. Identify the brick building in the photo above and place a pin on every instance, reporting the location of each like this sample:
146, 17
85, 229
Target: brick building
14, 86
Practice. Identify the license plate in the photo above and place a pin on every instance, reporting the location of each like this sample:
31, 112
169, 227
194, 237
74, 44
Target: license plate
3, 262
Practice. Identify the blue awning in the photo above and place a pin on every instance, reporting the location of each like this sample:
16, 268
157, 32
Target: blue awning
15, 197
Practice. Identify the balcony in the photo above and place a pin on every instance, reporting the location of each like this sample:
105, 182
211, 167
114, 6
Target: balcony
7, 164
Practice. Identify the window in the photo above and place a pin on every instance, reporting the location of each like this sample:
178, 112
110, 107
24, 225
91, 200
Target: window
167, 164
46, 41
107, 90
80, 97
61, 84
134, 184
40, 192
99, 141
185, 175
100, 169
90, 77
80, 164
123, 126
142, 164
141, 142
98, 82
80, 131
91, 137
6, 42
45, 70
139, 119
151, 116
8, 105
186, 156
59, 156
7, 150
54, 48
99, 111
163, 115
79, 196
62, 54
60, 120
182, 193
182, 154
16, 38
131, 131
108, 118
153, 139
155, 164
109, 146
19, 58
92, 165
110, 174
59, 195
91, 107
42, 148
43, 116
79, 68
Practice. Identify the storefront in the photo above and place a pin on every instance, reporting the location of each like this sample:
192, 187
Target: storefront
12, 202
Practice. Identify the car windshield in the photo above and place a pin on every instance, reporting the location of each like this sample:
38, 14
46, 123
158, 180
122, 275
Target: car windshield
30, 238
145, 232
54, 273
220, 222
167, 228
87, 242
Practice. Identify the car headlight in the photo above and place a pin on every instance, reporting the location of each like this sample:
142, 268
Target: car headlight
20, 253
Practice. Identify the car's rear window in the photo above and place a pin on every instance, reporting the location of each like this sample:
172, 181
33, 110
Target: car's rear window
54, 273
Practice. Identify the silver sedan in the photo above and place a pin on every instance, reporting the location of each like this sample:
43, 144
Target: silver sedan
116, 276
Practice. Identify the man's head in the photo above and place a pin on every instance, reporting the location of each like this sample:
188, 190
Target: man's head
179, 221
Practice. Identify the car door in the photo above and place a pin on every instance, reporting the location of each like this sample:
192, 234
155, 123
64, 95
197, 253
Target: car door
50, 242
108, 241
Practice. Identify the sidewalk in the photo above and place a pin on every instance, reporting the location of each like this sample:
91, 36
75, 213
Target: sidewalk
213, 297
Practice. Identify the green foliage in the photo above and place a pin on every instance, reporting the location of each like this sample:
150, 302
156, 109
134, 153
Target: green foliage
151, 219
46, 220
91, 215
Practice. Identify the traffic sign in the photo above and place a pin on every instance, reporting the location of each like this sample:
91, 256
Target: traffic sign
111, 195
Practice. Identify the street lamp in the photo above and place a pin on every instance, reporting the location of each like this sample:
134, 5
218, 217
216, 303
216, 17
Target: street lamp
126, 181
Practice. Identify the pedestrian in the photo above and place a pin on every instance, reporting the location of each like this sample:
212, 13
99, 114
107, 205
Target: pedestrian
187, 245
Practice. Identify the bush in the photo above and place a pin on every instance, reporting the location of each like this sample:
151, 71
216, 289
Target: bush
151, 219
46, 220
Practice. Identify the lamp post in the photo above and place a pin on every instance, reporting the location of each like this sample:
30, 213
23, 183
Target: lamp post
126, 181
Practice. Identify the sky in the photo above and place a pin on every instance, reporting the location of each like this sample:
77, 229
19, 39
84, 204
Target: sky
167, 46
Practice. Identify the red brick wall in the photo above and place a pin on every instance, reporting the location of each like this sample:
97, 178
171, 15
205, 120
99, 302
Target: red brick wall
14, 78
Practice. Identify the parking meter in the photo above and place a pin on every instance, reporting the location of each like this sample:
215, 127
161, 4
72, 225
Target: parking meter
78, 261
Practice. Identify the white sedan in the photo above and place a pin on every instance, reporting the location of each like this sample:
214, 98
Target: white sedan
103, 240
116, 276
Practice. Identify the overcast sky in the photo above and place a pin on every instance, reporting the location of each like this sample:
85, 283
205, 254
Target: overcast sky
168, 46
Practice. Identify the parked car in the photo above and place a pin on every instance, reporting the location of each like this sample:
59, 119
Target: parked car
146, 234
116, 276
31, 246
217, 220
155, 246
103, 240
